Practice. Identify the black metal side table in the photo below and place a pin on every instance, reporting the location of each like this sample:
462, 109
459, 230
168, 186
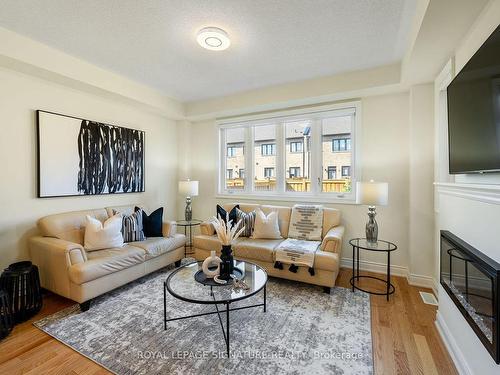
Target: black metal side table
379, 246
188, 224
6, 319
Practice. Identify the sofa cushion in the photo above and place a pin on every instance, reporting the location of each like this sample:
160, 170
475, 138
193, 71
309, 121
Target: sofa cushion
99, 236
155, 246
69, 226
284, 214
207, 242
257, 249
152, 224
104, 262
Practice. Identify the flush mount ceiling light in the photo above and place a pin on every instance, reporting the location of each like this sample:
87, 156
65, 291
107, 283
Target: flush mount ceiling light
213, 38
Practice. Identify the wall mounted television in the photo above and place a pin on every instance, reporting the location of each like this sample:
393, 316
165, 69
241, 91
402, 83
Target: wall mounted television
474, 112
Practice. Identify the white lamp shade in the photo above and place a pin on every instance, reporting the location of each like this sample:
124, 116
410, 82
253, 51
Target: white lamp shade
372, 193
188, 188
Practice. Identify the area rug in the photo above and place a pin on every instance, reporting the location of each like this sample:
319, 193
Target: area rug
303, 331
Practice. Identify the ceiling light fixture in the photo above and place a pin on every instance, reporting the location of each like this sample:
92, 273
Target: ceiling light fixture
213, 38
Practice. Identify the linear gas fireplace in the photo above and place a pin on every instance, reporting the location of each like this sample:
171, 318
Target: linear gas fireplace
471, 279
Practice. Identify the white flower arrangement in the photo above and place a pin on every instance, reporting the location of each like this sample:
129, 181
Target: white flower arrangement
225, 233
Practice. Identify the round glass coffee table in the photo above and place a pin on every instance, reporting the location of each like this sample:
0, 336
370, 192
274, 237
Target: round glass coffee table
181, 284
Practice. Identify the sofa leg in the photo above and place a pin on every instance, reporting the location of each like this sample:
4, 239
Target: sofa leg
178, 263
85, 305
327, 289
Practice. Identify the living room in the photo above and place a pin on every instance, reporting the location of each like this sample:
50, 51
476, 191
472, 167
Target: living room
359, 235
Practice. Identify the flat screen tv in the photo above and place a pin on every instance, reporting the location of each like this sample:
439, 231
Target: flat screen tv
474, 112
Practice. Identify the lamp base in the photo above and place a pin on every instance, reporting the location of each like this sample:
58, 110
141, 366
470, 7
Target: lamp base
188, 212
371, 226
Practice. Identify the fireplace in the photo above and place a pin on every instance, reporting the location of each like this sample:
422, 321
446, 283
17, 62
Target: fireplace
471, 279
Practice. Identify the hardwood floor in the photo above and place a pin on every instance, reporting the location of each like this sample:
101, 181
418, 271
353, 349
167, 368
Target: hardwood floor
405, 340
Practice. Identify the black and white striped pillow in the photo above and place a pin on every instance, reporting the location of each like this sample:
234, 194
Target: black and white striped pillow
132, 228
248, 220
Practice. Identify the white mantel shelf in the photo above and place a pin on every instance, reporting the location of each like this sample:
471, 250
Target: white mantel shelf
480, 192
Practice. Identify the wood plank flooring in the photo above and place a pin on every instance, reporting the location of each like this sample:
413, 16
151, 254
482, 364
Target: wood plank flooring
405, 340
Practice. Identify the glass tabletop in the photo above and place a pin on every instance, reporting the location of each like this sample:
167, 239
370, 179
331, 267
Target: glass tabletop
181, 284
185, 223
380, 245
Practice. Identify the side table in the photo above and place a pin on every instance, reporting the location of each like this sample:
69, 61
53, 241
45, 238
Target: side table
188, 224
379, 246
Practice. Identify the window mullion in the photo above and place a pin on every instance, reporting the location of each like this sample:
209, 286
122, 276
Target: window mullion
249, 159
316, 164
280, 157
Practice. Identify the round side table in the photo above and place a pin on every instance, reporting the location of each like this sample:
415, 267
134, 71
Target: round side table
379, 246
188, 224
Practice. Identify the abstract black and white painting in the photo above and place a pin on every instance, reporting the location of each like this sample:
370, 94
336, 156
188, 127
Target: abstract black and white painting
83, 157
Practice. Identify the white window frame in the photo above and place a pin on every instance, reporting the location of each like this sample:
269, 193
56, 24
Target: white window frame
316, 114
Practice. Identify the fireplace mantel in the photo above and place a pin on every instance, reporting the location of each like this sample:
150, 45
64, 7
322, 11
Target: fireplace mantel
485, 193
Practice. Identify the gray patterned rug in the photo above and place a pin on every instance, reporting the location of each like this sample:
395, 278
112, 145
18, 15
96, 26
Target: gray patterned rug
303, 331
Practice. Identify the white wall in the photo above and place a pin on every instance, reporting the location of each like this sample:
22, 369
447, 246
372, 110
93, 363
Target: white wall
468, 210
421, 169
385, 157
20, 96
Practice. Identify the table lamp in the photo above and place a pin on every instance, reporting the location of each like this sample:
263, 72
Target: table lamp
372, 194
188, 189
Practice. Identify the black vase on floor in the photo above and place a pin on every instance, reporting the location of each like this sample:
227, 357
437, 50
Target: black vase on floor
22, 284
227, 264
6, 320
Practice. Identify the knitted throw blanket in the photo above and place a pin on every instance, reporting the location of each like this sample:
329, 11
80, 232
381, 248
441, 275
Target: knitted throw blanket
306, 222
297, 252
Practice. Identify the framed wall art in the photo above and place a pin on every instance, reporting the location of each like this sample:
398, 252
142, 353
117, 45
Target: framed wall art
84, 157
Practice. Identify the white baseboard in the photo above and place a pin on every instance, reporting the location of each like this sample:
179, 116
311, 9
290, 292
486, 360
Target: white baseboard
452, 347
415, 280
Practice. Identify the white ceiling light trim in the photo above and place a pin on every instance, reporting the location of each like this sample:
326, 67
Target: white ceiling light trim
213, 38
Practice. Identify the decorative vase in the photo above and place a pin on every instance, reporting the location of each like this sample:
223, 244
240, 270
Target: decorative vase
211, 261
227, 264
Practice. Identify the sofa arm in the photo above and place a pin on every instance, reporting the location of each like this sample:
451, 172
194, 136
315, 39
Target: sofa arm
43, 247
207, 228
332, 241
54, 257
169, 228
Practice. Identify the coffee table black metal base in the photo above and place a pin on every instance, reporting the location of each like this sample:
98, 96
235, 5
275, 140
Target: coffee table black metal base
217, 311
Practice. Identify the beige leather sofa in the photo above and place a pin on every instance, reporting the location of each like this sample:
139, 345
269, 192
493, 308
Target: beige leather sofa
70, 271
260, 251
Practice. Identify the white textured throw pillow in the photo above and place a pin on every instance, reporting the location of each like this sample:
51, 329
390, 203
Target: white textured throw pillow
99, 236
266, 227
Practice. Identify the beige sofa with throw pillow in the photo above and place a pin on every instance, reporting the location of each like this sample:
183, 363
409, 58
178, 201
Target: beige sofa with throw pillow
67, 269
261, 251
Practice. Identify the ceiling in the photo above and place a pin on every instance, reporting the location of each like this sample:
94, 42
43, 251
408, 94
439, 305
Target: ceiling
273, 42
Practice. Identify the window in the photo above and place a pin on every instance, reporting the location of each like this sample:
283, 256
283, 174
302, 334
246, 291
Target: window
341, 144
336, 139
294, 172
268, 172
268, 149
308, 155
235, 158
265, 161
331, 173
295, 146
295, 163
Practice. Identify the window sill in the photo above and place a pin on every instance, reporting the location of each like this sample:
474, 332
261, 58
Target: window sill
288, 198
